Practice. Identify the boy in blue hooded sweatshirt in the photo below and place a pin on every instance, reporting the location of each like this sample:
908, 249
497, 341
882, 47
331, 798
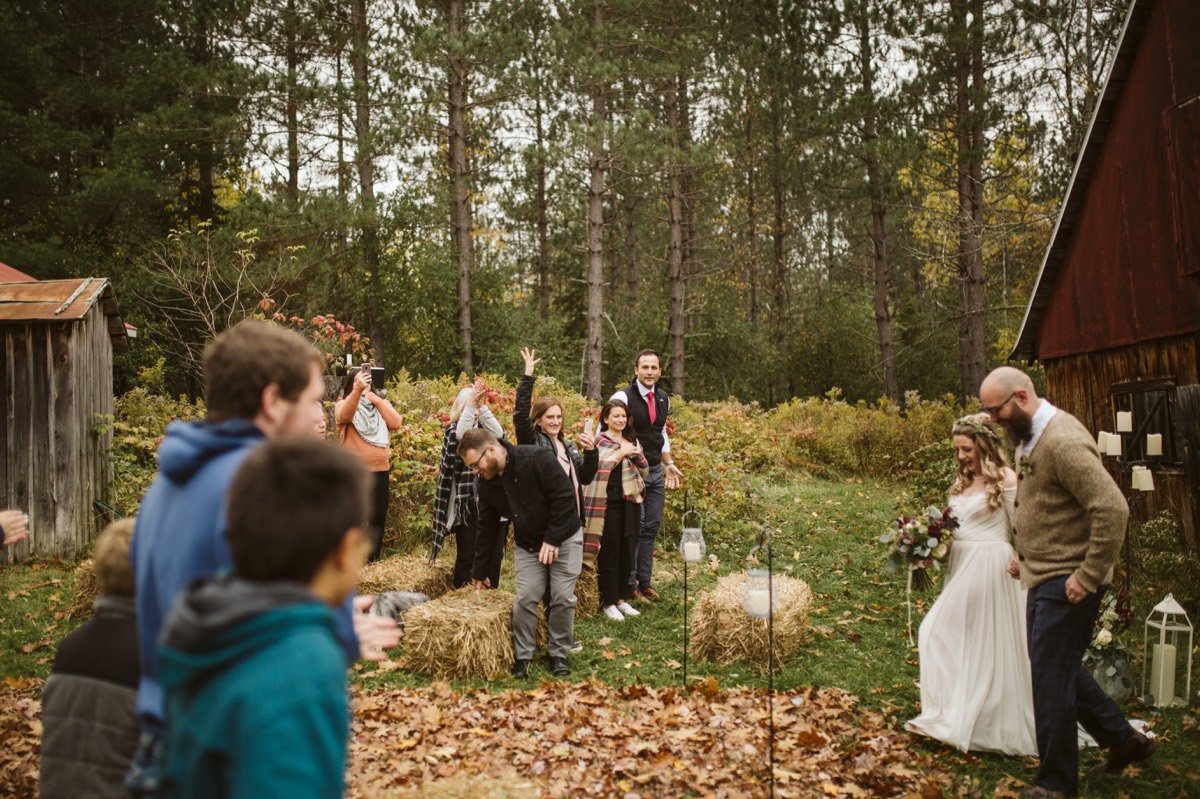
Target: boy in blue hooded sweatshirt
262, 382
251, 665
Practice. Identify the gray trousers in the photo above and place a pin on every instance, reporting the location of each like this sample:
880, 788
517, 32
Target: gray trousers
652, 511
532, 579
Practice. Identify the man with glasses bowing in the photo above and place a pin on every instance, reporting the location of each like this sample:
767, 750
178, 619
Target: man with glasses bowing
526, 485
1069, 523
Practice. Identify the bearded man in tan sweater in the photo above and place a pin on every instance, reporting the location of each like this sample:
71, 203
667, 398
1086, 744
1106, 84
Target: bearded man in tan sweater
1068, 530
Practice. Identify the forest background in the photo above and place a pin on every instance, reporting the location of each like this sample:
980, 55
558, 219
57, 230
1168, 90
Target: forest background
782, 197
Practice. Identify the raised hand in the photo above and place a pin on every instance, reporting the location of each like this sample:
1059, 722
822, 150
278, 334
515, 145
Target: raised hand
528, 354
14, 527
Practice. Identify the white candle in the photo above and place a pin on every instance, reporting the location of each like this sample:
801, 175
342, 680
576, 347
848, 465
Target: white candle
1154, 444
691, 551
1124, 421
1162, 674
1102, 442
758, 602
1147, 481
349, 359
1113, 445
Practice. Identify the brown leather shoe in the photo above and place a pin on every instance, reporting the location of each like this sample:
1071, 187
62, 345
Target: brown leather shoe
1038, 792
1134, 749
648, 593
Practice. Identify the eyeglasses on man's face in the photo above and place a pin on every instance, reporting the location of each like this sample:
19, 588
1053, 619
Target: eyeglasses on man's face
474, 465
995, 412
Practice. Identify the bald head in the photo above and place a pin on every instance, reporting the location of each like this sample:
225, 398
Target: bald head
1004, 380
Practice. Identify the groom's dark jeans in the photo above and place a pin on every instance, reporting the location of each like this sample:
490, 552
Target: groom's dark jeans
1063, 690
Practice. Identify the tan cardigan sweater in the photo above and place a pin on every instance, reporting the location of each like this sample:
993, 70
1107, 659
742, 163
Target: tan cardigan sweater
1070, 515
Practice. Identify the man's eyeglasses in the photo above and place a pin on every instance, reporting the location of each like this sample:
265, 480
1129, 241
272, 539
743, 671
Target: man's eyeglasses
473, 466
996, 410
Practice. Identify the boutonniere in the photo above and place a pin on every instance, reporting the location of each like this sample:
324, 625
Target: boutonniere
1024, 467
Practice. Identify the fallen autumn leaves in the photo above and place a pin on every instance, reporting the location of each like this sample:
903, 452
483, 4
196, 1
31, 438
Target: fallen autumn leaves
587, 739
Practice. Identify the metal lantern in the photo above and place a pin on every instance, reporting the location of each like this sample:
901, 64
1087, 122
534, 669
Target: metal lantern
1174, 632
756, 596
691, 542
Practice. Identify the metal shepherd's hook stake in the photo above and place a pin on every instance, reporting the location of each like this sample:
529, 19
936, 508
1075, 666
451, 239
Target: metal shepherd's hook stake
764, 542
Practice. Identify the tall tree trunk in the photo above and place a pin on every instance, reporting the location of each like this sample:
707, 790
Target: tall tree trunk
675, 237
629, 201
543, 218
460, 211
364, 161
594, 347
883, 266
969, 142
292, 62
205, 205
779, 229
751, 220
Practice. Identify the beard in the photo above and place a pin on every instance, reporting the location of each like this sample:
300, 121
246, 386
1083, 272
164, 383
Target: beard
1018, 427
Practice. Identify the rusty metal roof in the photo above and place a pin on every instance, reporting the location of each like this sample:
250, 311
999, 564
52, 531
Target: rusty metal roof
62, 301
9, 274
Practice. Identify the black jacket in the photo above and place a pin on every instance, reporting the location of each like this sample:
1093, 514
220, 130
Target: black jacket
585, 464
535, 493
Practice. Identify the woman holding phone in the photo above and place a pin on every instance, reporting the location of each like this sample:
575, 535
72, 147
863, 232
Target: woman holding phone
612, 510
365, 422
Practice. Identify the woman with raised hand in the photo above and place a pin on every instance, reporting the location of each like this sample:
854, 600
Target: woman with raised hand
455, 508
365, 422
612, 510
976, 690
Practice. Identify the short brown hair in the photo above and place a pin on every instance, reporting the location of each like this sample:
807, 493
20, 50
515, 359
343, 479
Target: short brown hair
241, 362
290, 505
475, 439
637, 359
114, 571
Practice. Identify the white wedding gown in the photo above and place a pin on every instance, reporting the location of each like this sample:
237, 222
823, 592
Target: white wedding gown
976, 692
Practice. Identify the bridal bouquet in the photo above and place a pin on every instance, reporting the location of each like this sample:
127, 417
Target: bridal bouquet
919, 543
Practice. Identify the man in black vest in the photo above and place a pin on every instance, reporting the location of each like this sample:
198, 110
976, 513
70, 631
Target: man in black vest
648, 409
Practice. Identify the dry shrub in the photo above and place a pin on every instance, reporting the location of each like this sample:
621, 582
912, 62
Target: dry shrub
723, 633
466, 634
87, 589
406, 573
494, 787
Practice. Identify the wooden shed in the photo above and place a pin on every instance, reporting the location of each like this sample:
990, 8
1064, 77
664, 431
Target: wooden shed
1115, 314
57, 339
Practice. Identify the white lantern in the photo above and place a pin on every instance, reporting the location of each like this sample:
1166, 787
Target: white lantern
1171, 622
756, 596
691, 544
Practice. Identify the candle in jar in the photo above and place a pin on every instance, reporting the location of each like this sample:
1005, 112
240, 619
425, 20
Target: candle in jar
758, 602
691, 551
1147, 481
1113, 444
1162, 674
1154, 444
1124, 421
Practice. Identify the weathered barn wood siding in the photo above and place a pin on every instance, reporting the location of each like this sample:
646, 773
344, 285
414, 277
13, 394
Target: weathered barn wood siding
57, 386
1082, 385
1124, 274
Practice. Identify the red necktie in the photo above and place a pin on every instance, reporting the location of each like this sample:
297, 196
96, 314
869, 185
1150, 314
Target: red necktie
650, 407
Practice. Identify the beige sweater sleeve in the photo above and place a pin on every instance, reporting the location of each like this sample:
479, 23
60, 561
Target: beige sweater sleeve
1082, 474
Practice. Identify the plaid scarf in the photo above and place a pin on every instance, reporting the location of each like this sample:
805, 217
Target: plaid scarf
595, 493
455, 490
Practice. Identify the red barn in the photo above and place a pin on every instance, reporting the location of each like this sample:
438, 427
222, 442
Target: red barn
1115, 313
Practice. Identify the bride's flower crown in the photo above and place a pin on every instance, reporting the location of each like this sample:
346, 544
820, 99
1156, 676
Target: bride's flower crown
977, 423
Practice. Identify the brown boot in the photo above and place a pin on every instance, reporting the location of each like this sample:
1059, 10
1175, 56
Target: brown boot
1134, 749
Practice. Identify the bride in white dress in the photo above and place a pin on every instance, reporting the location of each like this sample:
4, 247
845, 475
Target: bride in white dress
976, 692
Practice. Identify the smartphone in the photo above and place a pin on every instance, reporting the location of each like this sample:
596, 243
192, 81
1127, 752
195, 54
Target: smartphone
587, 426
377, 378
365, 369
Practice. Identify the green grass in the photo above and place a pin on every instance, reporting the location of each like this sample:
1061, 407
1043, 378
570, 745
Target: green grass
827, 537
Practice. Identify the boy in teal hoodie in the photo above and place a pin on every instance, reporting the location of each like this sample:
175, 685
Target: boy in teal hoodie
251, 664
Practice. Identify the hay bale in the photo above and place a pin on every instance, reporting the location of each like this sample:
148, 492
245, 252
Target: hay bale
87, 589
465, 634
722, 631
503, 787
587, 594
406, 573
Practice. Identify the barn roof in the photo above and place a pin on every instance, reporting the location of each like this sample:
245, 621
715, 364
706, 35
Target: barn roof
1089, 156
11, 275
62, 301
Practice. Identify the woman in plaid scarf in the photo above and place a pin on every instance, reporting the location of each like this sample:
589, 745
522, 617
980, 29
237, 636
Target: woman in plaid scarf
612, 510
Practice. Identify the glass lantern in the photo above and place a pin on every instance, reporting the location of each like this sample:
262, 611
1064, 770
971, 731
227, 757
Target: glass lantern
756, 595
691, 542
1174, 638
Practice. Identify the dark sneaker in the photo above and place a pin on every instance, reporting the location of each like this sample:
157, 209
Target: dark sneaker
1134, 749
1038, 792
559, 667
520, 669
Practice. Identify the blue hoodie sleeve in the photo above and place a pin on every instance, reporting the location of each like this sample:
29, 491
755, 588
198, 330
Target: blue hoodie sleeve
345, 628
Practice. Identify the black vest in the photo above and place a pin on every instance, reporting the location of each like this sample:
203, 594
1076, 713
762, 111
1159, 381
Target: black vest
650, 435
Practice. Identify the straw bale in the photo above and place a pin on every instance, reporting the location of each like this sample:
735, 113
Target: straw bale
406, 573
723, 633
87, 589
494, 787
587, 594
465, 634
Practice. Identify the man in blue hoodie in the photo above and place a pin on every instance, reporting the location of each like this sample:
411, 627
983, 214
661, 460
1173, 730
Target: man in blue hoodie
261, 382
251, 665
